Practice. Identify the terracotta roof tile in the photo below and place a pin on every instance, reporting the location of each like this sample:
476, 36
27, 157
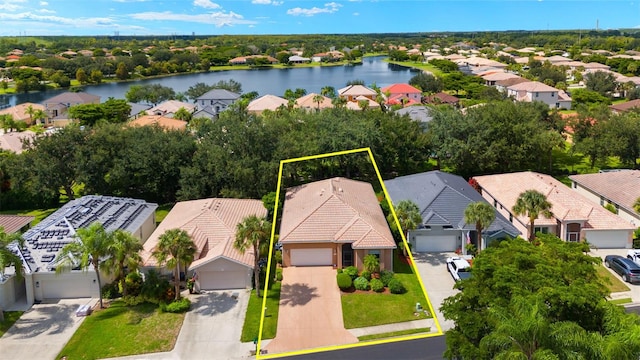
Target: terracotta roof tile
621, 187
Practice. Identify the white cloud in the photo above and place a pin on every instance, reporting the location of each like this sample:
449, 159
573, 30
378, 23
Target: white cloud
44, 3
356, 14
267, 2
11, 5
46, 11
218, 19
77, 22
329, 8
207, 4
127, 1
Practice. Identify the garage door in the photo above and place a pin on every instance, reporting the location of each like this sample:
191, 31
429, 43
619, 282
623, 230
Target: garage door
67, 286
221, 280
441, 243
311, 257
608, 239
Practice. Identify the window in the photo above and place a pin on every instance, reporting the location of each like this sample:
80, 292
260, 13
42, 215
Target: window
541, 229
537, 94
495, 203
375, 252
510, 217
553, 94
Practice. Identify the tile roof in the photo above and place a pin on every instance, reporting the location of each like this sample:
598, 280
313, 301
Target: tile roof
19, 112
355, 105
356, 90
73, 98
621, 187
12, 141
441, 98
626, 106
44, 241
417, 113
335, 210
496, 76
512, 81
211, 223
267, 102
219, 94
532, 86
400, 89
163, 122
170, 107
307, 102
13, 223
567, 204
442, 199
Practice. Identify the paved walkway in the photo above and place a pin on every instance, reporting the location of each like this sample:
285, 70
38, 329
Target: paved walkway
310, 314
408, 325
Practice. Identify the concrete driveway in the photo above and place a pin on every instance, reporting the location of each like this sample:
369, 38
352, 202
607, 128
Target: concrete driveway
310, 314
437, 281
634, 292
211, 329
43, 330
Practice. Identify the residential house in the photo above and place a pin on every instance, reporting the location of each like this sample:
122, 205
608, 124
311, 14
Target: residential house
266, 102
334, 222
352, 92
416, 113
211, 224
246, 60
14, 141
442, 199
10, 291
619, 188
170, 107
490, 79
441, 98
502, 85
138, 110
158, 120
623, 107
309, 102
296, 59
43, 242
58, 106
213, 102
21, 113
575, 218
356, 104
536, 91
402, 94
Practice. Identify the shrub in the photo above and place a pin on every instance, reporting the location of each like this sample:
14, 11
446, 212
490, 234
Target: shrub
279, 275
386, 276
371, 263
396, 287
339, 271
178, 306
377, 285
110, 291
133, 300
365, 274
278, 256
344, 281
351, 271
156, 288
361, 283
133, 282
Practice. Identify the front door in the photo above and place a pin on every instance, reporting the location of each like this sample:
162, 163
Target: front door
347, 255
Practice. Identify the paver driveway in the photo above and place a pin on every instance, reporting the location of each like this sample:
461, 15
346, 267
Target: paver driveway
437, 281
310, 314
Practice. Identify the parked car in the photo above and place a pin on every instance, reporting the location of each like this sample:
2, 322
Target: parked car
627, 269
459, 268
634, 255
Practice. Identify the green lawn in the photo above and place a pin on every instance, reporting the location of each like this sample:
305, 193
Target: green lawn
418, 65
120, 330
162, 211
393, 334
10, 317
370, 308
621, 301
251, 325
612, 281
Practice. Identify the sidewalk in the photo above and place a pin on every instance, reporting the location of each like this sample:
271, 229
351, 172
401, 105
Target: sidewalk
408, 325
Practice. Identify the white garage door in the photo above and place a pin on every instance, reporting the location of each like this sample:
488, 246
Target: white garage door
440, 243
608, 239
311, 257
222, 280
66, 286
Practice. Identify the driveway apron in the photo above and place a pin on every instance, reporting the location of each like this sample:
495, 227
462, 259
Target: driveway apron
437, 281
310, 314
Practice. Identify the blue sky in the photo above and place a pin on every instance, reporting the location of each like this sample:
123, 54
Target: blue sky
210, 17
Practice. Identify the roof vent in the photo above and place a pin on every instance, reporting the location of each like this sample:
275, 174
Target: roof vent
340, 189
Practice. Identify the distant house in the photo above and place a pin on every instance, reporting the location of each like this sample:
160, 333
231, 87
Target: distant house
58, 106
44, 241
334, 222
575, 217
308, 102
491, 78
352, 92
20, 112
170, 107
295, 59
138, 110
442, 199
620, 188
441, 98
417, 113
266, 102
211, 224
356, 104
213, 102
244, 60
158, 120
402, 94
623, 107
502, 85
536, 91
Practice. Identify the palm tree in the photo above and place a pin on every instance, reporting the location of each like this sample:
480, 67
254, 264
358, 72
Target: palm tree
39, 115
252, 232
90, 249
636, 205
338, 102
124, 256
409, 218
532, 203
318, 99
31, 112
175, 249
8, 257
482, 215
328, 91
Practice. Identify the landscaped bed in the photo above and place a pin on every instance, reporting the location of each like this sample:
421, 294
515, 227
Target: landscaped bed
368, 308
251, 326
393, 334
120, 330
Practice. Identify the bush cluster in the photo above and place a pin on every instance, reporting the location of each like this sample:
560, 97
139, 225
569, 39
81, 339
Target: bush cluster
376, 285
365, 274
351, 271
386, 276
344, 281
361, 283
178, 306
396, 287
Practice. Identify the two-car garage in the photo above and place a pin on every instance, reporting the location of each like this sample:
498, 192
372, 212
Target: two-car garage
435, 243
312, 257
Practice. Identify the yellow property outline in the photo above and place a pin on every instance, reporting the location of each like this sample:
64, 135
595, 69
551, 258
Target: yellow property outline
395, 218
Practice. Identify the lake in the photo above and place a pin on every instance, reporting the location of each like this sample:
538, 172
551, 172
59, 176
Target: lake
264, 81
